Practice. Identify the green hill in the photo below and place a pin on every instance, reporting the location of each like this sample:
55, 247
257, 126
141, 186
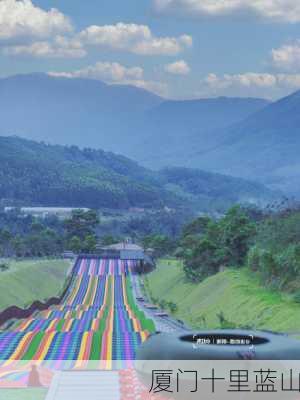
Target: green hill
27, 281
233, 298
39, 174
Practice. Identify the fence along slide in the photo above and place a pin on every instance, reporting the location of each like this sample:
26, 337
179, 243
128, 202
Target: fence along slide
98, 319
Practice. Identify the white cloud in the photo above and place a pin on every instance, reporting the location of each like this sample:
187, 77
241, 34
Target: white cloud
106, 71
115, 73
274, 10
20, 18
60, 47
245, 80
26, 29
178, 68
134, 38
287, 57
250, 85
159, 88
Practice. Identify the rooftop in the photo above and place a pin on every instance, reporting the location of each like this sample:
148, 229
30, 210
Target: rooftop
124, 246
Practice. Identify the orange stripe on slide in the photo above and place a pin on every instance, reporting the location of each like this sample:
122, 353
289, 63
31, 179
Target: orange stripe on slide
44, 346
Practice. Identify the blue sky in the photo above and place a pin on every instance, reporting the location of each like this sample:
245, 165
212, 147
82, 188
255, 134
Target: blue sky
176, 48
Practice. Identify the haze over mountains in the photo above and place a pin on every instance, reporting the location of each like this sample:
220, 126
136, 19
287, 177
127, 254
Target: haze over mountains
117, 118
244, 137
34, 173
173, 129
265, 147
70, 111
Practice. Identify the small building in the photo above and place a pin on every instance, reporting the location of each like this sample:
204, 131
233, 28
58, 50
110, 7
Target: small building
44, 212
125, 251
150, 252
69, 255
136, 210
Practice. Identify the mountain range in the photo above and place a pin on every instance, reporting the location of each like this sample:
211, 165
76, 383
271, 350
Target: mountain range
243, 137
264, 147
118, 118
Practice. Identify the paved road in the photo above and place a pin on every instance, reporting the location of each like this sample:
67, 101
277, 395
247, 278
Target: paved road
163, 324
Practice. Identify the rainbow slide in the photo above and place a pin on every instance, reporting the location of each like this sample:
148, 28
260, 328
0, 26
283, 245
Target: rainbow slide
97, 320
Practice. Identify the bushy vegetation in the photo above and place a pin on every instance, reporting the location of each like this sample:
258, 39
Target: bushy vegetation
26, 236
4, 266
275, 255
164, 222
160, 244
80, 231
208, 245
269, 244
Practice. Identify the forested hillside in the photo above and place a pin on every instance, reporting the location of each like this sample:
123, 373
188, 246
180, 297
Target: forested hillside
39, 174
35, 173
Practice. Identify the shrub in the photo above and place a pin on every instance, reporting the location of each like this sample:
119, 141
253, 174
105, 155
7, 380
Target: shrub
224, 323
172, 307
253, 258
4, 267
277, 270
296, 297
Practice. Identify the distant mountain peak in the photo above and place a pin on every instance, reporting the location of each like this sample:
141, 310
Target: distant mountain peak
265, 147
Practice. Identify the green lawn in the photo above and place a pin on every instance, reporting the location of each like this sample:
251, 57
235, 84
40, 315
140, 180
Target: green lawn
23, 394
30, 280
237, 294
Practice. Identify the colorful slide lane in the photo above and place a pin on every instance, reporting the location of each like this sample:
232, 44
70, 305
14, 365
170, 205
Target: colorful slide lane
97, 320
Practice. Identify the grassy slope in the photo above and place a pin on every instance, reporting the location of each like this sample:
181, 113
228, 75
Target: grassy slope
236, 293
27, 281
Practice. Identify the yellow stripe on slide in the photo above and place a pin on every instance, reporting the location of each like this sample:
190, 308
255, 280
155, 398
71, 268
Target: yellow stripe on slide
68, 325
83, 346
24, 325
44, 351
95, 292
111, 321
87, 292
71, 298
144, 336
17, 355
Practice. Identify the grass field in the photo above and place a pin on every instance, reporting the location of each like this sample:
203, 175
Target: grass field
23, 394
30, 280
235, 294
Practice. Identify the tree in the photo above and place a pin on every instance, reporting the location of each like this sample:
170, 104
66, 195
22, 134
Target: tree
237, 232
203, 261
161, 244
6, 242
82, 223
36, 227
89, 244
75, 244
217, 244
196, 227
107, 240
19, 246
